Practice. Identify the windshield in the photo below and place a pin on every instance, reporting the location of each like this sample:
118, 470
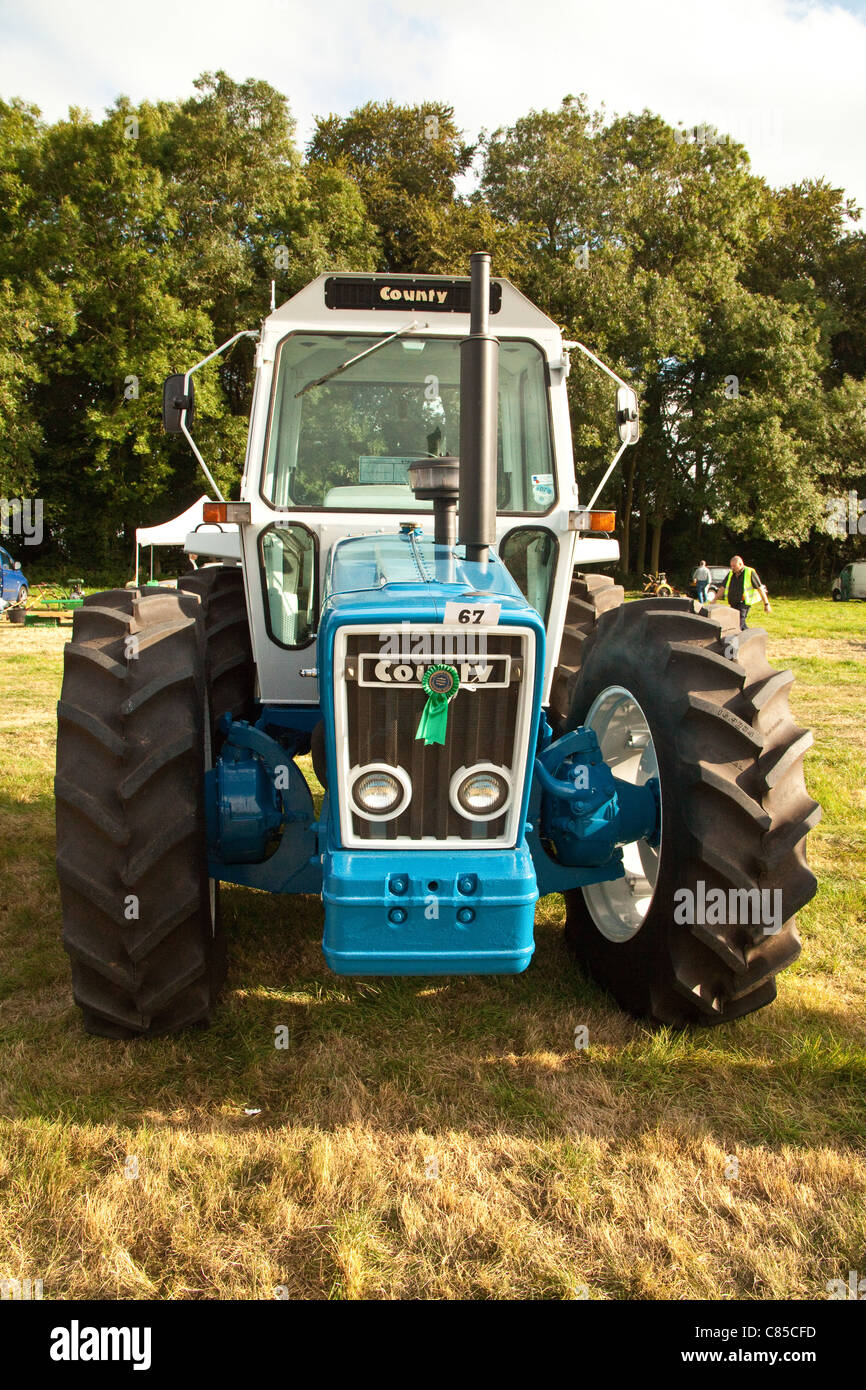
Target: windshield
347, 444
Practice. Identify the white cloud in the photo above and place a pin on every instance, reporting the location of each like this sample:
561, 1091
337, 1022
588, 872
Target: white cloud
786, 78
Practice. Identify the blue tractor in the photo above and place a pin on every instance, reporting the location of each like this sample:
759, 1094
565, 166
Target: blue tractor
404, 590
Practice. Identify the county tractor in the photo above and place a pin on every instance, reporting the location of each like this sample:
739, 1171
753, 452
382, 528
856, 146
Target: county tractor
407, 590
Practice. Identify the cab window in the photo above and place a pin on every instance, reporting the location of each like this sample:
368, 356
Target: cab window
345, 442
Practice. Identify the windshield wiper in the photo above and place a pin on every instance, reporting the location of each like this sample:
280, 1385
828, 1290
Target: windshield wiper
366, 353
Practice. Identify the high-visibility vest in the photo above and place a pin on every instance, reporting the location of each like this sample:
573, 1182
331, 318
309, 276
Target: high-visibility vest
750, 593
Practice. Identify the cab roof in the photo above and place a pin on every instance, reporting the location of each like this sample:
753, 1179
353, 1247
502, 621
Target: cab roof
344, 301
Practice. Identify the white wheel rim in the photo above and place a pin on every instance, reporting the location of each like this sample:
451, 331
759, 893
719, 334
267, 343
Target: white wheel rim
619, 908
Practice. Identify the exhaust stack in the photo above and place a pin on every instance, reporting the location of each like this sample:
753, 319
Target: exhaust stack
479, 410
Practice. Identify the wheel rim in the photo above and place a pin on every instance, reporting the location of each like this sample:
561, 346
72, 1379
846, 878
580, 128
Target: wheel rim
619, 908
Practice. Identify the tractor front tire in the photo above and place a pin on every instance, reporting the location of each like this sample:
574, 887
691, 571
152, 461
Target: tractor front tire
676, 692
141, 920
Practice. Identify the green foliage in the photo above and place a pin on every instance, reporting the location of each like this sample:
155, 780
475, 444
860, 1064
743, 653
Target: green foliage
722, 300
132, 246
405, 161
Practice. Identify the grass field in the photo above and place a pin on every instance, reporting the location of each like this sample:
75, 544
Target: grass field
436, 1139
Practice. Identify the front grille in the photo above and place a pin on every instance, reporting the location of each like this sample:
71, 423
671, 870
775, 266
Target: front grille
484, 726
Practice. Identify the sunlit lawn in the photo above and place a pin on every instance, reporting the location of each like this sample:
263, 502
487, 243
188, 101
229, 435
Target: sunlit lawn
436, 1139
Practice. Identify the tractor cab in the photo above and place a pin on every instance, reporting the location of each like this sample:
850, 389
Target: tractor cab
359, 376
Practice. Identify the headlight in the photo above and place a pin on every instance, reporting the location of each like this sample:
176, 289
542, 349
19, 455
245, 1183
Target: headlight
379, 792
481, 792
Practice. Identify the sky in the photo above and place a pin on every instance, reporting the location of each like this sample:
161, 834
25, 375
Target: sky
786, 77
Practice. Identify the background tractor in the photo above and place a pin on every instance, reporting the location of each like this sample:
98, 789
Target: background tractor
656, 585
408, 595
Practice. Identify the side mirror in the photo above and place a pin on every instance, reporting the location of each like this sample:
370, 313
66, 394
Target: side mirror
174, 401
17, 565
627, 415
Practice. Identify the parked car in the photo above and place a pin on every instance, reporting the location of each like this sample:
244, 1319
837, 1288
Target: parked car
851, 583
14, 588
718, 575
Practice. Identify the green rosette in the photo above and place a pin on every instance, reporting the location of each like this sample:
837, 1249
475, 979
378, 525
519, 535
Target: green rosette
440, 684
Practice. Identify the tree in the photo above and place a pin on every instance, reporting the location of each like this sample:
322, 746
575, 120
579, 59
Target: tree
644, 244
406, 161
134, 245
154, 236
32, 310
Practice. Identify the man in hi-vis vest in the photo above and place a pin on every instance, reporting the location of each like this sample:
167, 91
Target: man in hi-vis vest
742, 588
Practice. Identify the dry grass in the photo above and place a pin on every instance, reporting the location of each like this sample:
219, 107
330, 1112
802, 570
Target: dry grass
435, 1139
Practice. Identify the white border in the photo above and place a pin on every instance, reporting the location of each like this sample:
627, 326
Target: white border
518, 769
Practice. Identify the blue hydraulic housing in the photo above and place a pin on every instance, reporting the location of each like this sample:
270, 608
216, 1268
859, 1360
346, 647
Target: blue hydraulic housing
245, 804
254, 793
586, 812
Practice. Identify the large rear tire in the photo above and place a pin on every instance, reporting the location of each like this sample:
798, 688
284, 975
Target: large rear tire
146, 678
230, 672
677, 693
591, 595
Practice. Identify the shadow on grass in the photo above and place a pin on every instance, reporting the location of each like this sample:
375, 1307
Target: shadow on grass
296, 1044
